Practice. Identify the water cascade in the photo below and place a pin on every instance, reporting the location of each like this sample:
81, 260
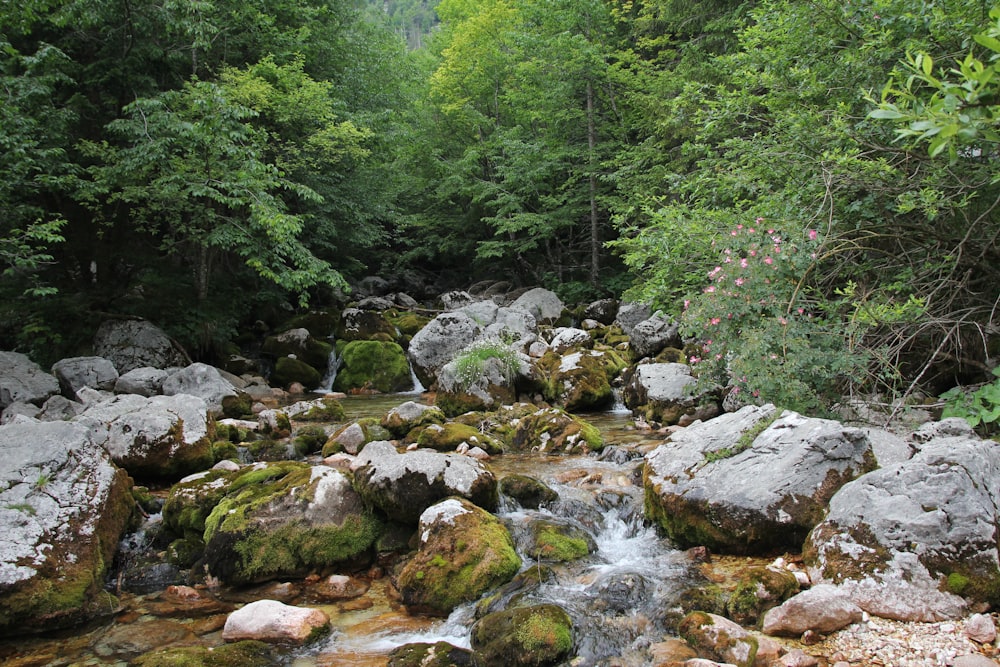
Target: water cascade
332, 366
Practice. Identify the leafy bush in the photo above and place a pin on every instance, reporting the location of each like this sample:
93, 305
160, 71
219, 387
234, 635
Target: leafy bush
981, 408
763, 330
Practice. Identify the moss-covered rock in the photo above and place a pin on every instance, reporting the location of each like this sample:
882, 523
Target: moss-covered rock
464, 551
373, 365
408, 323
358, 324
554, 431
759, 589
558, 541
285, 520
527, 491
441, 654
351, 438
239, 654
533, 636
719, 638
288, 370
185, 510
510, 594
447, 437
403, 418
300, 344
578, 379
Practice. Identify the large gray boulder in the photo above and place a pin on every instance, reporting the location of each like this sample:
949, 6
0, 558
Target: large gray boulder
438, 342
468, 387
630, 314
145, 381
651, 336
63, 508
727, 485
161, 437
75, 373
132, 344
544, 305
24, 381
404, 485
663, 393
907, 539
203, 381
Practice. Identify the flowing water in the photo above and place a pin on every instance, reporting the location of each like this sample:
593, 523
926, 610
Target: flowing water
619, 597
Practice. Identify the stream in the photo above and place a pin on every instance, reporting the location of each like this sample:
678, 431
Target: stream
618, 597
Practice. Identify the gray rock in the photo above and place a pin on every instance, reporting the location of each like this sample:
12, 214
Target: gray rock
630, 314
973, 660
75, 373
483, 313
132, 344
719, 638
63, 508
980, 628
404, 300
456, 299
823, 609
751, 497
542, 304
438, 342
145, 381
567, 337
404, 485
200, 380
889, 448
603, 311
158, 437
662, 393
59, 408
405, 417
893, 536
378, 303
651, 336
493, 386
24, 381
18, 408
273, 621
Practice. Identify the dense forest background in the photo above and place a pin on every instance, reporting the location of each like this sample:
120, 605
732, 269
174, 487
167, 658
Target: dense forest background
810, 187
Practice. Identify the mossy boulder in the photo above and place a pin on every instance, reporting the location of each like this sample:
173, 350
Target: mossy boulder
373, 365
558, 541
758, 590
288, 370
527, 491
286, 520
441, 654
408, 323
63, 507
579, 379
239, 654
448, 437
534, 636
322, 409
523, 584
404, 485
410, 415
185, 510
464, 552
357, 324
300, 344
555, 431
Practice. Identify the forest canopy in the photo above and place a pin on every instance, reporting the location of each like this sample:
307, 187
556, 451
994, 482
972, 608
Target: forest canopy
810, 188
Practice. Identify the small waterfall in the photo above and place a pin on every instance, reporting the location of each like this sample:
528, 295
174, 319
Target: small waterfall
618, 407
332, 365
418, 387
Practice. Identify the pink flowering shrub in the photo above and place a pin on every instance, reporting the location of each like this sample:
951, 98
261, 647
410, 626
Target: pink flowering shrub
763, 330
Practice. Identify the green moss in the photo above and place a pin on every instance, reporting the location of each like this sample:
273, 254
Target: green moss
223, 450
957, 583
331, 410
288, 370
745, 440
553, 544
239, 654
543, 631
310, 439
523, 636
758, 590
553, 430
376, 365
447, 437
408, 323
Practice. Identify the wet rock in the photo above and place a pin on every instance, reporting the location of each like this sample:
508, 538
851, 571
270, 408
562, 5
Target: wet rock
203, 381
552, 539
77, 372
758, 590
452, 436
284, 520
437, 343
623, 592
510, 594
240, 654
554, 431
441, 654
728, 485
464, 551
544, 305
185, 602
409, 415
143, 578
162, 437
145, 381
718, 638
822, 609
63, 508
294, 375
527, 491
134, 638
273, 621
130, 344
24, 381
338, 587
534, 636
906, 540
404, 485
670, 652
651, 336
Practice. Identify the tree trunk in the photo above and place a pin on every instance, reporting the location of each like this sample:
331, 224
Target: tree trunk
595, 231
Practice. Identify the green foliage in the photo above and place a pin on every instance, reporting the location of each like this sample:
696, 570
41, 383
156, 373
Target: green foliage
763, 330
981, 407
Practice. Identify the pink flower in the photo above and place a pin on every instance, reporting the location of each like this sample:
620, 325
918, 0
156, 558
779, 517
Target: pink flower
739, 226
770, 231
783, 321
768, 260
760, 220
733, 233
714, 321
694, 360
753, 252
812, 235
743, 263
687, 303
739, 282
751, 230
802, 311
710, 289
